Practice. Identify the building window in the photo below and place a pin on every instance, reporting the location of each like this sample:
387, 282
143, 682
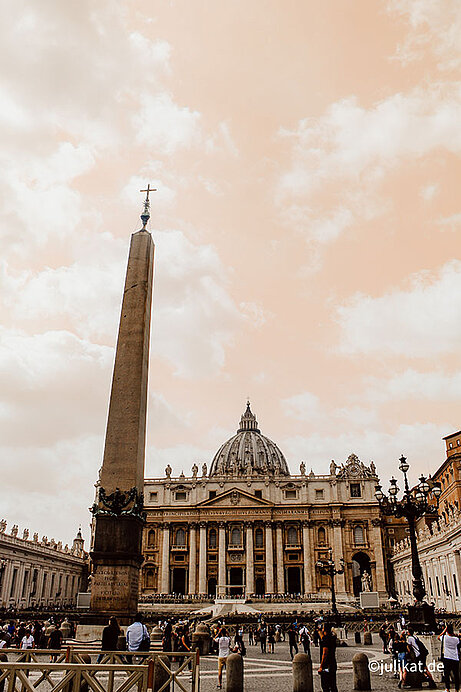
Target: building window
293, 556
151, 538
259, 538
13, 582
52, 586
445, 583
211, 494
180, 538
322, 536
150, 579
292, 536
153, 497
24, 584
438, 585
290, 494
181, 495
359, 538
44, 584
356, 490
319, 494
236, 536
455, 584
430, 587
259, 557
259, 493
212, 538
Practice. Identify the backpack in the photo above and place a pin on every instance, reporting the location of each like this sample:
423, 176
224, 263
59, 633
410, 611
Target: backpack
423, 651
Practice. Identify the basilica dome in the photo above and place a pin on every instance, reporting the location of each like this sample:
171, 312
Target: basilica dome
249, 453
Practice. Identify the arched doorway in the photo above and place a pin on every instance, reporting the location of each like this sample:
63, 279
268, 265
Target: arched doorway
294, 580
212, 584
236, 581
360, 564
260, 586
179, 580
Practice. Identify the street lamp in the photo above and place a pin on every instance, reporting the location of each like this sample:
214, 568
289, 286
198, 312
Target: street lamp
412, 506
327, 566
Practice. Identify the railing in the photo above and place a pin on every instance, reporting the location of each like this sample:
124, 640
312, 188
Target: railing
117, 671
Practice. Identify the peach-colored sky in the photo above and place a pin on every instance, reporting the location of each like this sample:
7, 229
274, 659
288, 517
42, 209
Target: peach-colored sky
307, 227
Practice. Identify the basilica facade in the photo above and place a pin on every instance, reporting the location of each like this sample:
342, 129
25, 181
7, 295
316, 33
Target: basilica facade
246, 527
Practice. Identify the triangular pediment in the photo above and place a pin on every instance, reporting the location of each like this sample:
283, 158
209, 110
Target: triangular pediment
234, 497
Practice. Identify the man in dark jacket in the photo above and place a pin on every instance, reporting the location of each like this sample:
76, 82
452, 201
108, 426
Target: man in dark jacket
328, 666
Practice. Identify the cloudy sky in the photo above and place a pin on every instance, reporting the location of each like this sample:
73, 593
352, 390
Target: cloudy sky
307, 228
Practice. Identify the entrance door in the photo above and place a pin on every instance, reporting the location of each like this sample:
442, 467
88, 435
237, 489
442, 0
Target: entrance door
179, 580
260, 586
236, 577
212, 584
294, 580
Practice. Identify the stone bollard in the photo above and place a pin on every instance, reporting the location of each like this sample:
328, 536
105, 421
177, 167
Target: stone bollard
361, 672
160, 674
367, 639
234, 673
302, 673
357, 638
65, 629
202, 640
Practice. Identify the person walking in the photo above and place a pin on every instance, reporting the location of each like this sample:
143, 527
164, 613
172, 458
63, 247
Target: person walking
109, 639
223, 641
263, 637
55, 641
328, 665
292, 639
304, 638
420, 654
137, 636
450, 657
384, 636
271, 638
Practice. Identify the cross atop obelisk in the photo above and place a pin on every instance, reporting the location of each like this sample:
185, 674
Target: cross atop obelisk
118, 510
145, 216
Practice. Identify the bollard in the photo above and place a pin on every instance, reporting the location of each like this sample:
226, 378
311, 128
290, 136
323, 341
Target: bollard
367, 639
357, 638
234, 673
361, 672
302, 673
160, 674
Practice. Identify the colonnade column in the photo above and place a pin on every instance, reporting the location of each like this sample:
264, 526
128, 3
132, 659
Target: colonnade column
202, 560
280, 565
379, 557
308, 567
222, 560
250, 570
165, 574
269, 559
338, 554
192, 558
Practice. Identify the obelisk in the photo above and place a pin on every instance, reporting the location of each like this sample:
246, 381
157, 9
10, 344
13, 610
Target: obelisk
118, 510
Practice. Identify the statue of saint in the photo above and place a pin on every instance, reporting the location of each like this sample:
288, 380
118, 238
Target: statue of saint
302, 468
333, 468
168, 471
194, 471
366, 581
373, 468
204, 470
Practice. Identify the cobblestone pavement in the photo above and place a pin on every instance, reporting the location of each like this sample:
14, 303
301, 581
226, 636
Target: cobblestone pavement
273, 672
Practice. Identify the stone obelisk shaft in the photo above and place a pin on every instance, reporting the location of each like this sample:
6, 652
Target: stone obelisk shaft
117, 554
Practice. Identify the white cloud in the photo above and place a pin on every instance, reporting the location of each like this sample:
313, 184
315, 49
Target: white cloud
165, 127
420, 321
411, 384
428, 192
451, 223
303, 406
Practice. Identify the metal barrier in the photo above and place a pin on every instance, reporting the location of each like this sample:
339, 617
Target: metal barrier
118, 671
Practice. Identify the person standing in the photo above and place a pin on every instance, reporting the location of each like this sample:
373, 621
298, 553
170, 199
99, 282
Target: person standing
223, 642
136, 635
420, 653
292, 639
305, 639
328, 666
263, 637
55, 641
110, 635
450, 656
27, 642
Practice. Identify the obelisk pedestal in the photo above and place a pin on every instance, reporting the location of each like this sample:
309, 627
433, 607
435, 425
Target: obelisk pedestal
118, 510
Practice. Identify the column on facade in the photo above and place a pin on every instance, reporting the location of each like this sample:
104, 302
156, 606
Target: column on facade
338, 553
222, 560
457, 572
6, 583
308, 566
377, 543
192, 558
279, 553
202, 560
165, 574
250, 568
269, 559
312, 571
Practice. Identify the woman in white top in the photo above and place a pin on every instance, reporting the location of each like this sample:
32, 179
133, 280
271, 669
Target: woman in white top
27, 642
450, 656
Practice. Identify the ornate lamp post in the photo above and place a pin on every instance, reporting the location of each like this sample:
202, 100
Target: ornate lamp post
412, 506
328, 567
